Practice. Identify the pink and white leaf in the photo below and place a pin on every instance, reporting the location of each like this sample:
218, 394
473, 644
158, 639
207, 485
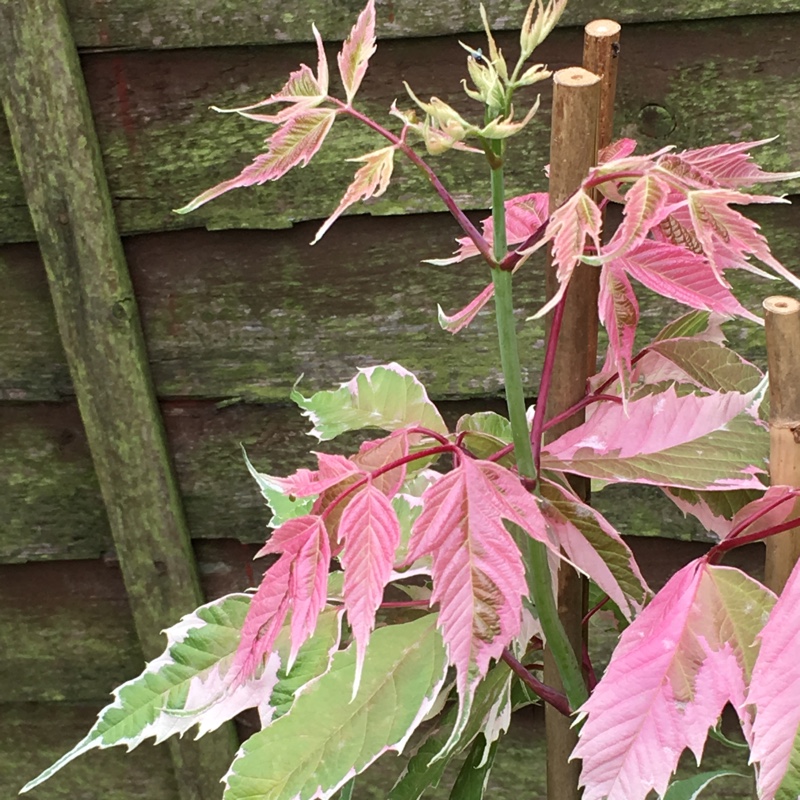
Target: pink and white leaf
525, 214
370, 531
692, 441
376, 454
371, 180
728, 237
595, 548
675, 272
295, 142
731, 165
647, 204
687, 655
776, 506
478, 576
569, 227
296, 582
775, 695
458, 321
619, 313
621, 148
714, 510
333, 469
357, 51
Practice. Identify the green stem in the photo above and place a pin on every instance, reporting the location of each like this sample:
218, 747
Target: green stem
538, 570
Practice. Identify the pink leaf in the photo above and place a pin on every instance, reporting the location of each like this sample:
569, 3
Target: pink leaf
622, 148
728, 237
595, 547
774, 508
682, 659
295, 142
692, 441
377, 453
462, 318
478, 575
775, 692
371, 180
688, 278
619, 314
333, 469
568, 230
296, 582
357, 51
524, 215
731, 165
646, 206
370, 531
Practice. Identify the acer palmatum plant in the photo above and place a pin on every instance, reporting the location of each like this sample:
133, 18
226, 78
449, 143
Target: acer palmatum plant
470, 545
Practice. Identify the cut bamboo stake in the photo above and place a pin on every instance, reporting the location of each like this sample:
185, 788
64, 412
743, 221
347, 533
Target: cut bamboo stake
783, 357
601, 56
55, 143
573, 151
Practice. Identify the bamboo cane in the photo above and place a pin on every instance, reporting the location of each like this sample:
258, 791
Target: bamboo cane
783, 357
573, 151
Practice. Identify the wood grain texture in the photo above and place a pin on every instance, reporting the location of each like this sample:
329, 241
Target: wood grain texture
46, 105
52, 508
244, 314
145, 24
689, 84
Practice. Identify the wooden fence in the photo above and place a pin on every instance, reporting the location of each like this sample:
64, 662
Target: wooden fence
132, 368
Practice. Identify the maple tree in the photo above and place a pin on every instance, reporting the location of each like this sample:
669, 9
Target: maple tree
469, 523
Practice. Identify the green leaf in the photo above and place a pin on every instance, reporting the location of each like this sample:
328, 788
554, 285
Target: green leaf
691, 324
711, 365
486, 433
489, 715
326, 739
200, 650
474, 774
283, 508
691, 788
387, 397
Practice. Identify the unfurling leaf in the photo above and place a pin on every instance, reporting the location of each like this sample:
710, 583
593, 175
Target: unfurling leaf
682, 659
357, 51
371, 180
328, 738
388, 397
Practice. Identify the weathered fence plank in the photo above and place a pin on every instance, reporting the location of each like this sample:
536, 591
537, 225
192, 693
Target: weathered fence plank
52, 132
244, 314
689, 84
144, 24
52, 508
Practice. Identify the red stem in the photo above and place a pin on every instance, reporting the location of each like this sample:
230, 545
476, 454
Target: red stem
460, 217
430, 434
587, 401
547, 378
431, 451
715, 553
556, 699
594, 610
407, 604
745, 524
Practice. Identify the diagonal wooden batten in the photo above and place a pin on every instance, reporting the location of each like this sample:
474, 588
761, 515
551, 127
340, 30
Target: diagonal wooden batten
52, 131
782, 322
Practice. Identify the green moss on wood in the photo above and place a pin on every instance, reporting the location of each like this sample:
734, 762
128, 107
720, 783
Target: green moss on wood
162, 145
144, 24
